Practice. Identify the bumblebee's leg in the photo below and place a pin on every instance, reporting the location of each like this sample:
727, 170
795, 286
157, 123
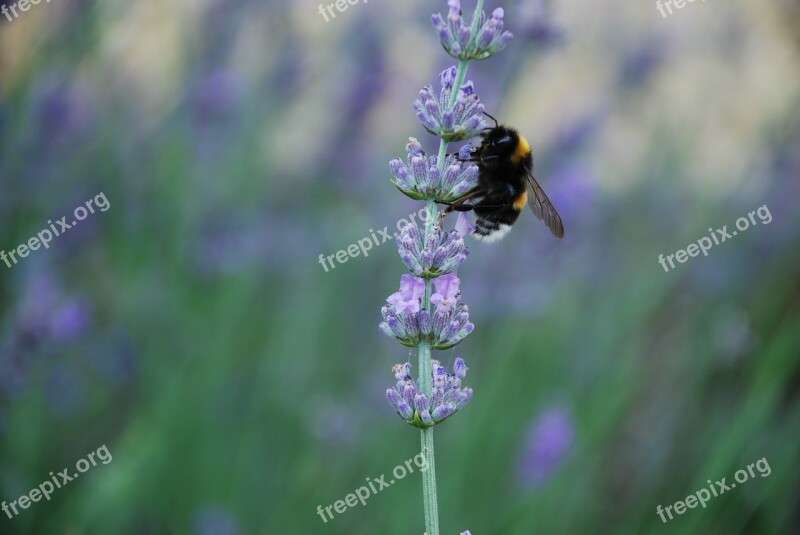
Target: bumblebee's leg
459, 206
470, 159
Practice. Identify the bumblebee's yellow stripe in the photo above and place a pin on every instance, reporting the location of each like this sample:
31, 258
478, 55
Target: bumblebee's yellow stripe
519, 202
522, 150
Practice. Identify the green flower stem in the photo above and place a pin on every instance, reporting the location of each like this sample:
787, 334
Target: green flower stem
429, 484
425, 377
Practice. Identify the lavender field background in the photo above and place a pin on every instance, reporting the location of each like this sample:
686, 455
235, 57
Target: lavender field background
238, 385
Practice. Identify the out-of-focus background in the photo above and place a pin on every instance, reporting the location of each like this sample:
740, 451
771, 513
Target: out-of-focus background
238, 385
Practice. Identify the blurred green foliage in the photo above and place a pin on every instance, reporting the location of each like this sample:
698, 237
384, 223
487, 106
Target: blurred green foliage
238, 385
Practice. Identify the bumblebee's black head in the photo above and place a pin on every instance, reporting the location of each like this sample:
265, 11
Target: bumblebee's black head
503, 144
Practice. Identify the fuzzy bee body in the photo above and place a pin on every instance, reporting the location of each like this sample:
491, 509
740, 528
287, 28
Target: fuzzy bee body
505, 186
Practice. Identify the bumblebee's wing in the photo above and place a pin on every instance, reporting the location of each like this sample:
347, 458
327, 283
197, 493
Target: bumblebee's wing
543, 209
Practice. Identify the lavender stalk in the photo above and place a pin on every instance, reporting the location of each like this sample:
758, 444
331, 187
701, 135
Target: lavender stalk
426, 312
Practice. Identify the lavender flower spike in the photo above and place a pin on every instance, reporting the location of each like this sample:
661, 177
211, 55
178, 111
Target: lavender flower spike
446, 398
420, 178
427, 312
441, 253
456, 34
463, 120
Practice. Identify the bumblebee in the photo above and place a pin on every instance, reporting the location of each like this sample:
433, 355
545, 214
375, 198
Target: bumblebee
505, 185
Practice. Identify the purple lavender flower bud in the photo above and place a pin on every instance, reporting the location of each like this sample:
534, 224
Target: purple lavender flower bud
463, 397
448, 77
451, 174
440, 320
420, 402
425, 322
464, 33
460, 368
385, 329
425, 416
419, 169
403, 371
413, 147
448, 122
425, 118
440, 25
402, 178
443, 411
433, 111
399, 404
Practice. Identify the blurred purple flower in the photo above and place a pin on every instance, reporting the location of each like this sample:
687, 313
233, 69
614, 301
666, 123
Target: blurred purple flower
39, 296
549, 439
572, 190
65, 112
216, 96
70, 319
574, 136
537, 25
333, 423
214, 520
640, 61
44, 313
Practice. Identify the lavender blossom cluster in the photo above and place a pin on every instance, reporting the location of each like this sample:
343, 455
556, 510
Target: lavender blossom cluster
420, 178
446, 397
461, 121
409, 324
437, 254
457, 37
